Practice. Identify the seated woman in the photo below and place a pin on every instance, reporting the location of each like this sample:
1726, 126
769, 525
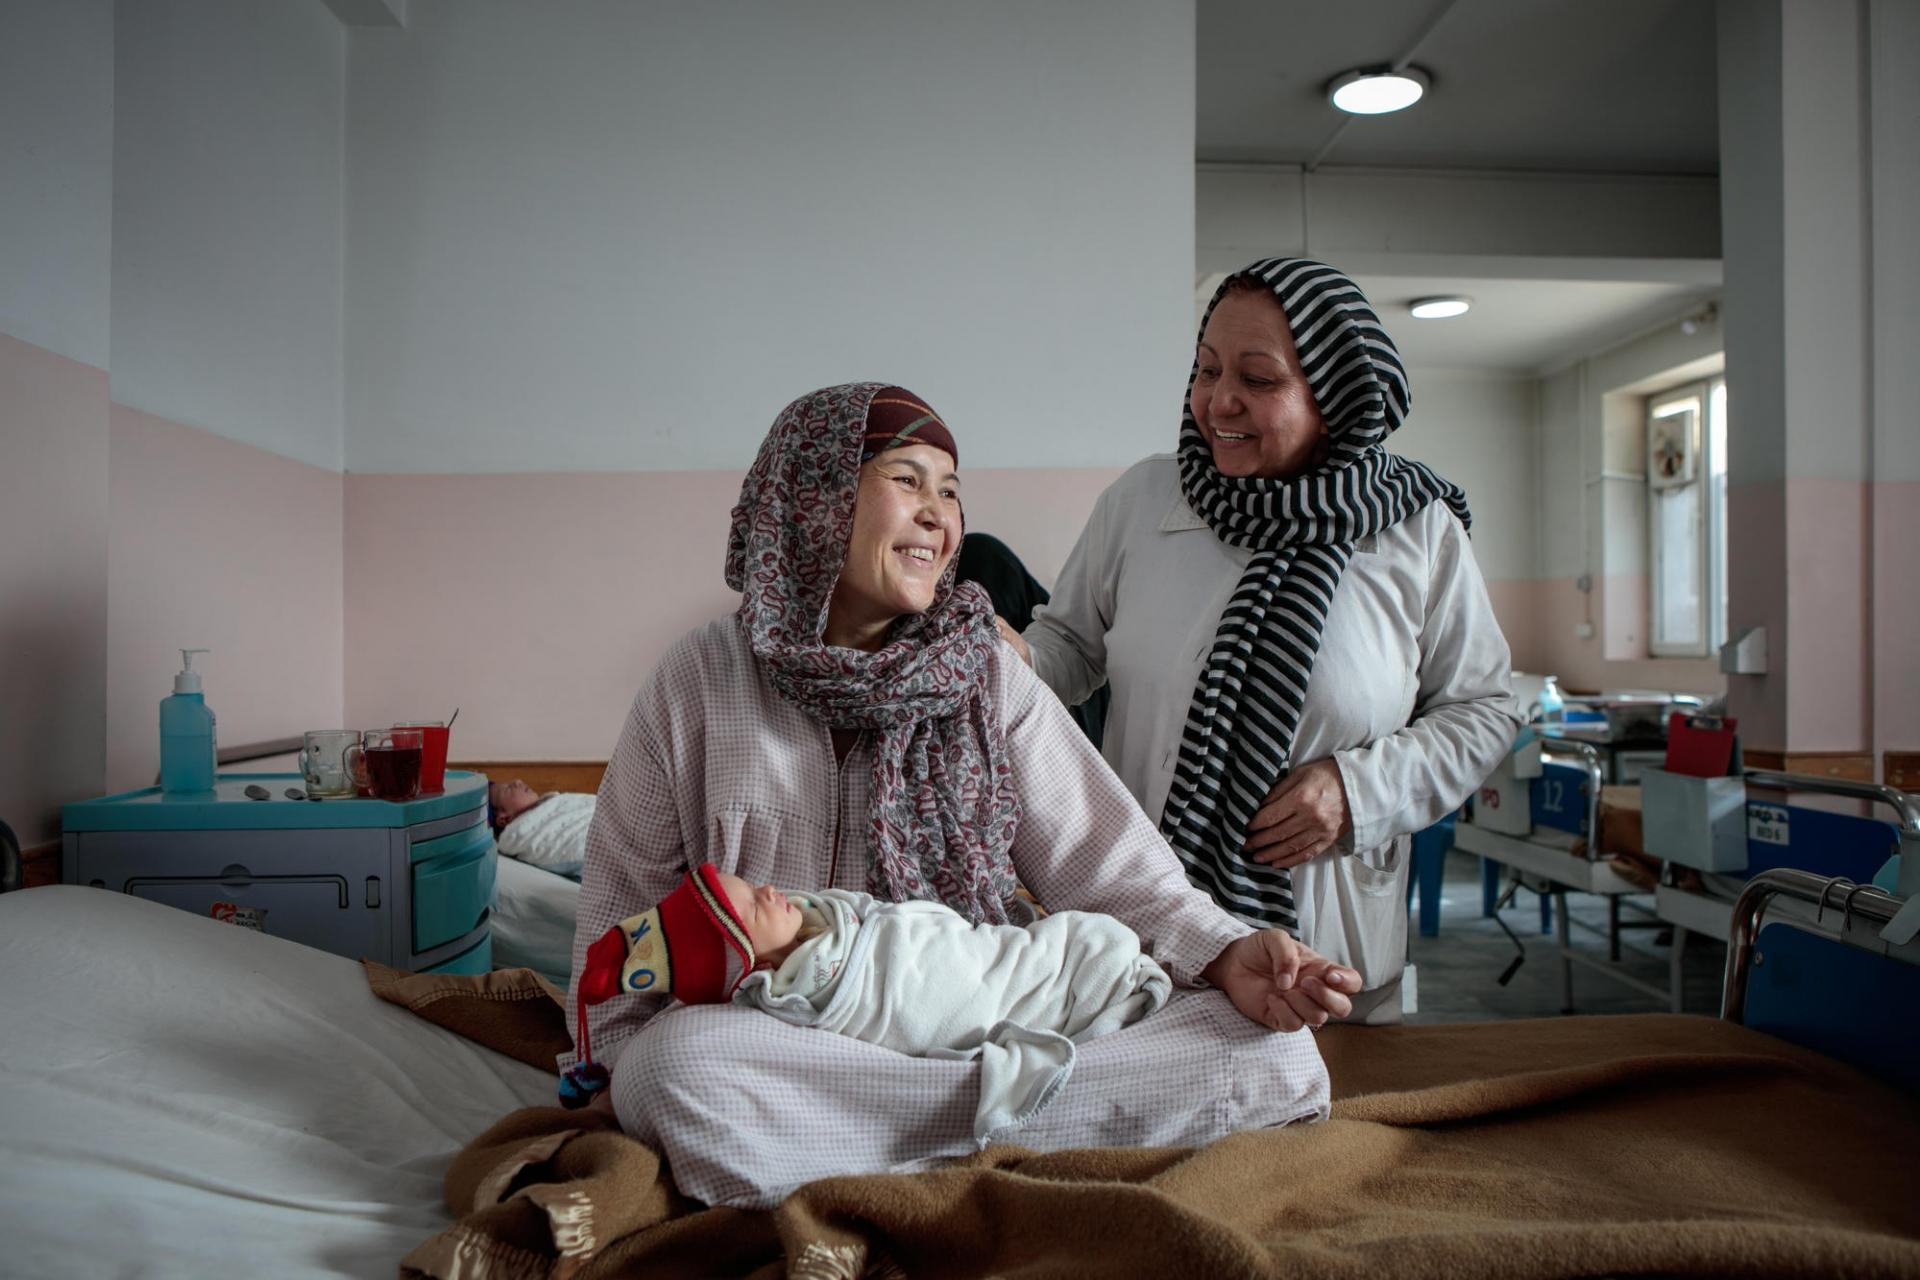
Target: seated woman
857, 725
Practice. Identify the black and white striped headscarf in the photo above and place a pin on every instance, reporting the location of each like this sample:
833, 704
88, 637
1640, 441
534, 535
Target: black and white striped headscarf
1240, 727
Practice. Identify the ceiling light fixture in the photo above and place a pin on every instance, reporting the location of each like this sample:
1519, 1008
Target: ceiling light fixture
1439, 308
1374, 91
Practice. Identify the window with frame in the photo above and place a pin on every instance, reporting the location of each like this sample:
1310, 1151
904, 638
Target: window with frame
1687, 519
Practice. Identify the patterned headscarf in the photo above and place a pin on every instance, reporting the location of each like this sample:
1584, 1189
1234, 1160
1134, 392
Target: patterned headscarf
1240, 726
943, 809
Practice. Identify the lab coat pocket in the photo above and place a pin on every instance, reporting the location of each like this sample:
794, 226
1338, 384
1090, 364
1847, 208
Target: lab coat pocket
1376, 872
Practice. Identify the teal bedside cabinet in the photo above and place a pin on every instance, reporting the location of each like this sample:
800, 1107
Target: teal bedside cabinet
408, 884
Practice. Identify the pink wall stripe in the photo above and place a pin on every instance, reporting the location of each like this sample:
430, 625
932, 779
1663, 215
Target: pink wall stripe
53, 585
1829, 623
537, 604
1896, 618
227, 546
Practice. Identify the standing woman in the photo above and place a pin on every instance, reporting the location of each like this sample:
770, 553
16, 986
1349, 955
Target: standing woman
1304, 664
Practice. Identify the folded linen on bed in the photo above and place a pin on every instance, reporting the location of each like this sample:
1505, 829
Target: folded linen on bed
1550, 1147
552, 834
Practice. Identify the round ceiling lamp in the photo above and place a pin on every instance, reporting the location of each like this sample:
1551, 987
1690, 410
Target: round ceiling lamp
1439, 308
1375, 91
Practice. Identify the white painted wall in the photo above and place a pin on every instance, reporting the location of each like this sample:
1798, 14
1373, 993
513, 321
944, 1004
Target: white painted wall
1477, 430
1591, 509
622, 241
56, 155
228, 134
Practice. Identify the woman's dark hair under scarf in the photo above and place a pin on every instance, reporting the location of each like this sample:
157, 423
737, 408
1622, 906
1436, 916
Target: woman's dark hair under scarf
1016, 594
1240, 727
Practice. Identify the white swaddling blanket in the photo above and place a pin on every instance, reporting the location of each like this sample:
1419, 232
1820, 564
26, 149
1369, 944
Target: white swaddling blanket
916, 977
552, 834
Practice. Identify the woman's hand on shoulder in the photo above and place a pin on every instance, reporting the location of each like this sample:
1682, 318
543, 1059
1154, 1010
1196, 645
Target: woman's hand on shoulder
1303, 815
1282, 983
1012, 637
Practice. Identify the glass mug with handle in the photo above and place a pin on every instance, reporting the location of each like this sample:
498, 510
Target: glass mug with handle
323, 762
387, 763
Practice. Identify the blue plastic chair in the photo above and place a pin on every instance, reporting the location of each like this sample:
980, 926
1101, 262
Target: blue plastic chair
1429, 868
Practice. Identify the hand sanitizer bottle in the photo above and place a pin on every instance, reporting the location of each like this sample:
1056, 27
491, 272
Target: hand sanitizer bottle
186, 735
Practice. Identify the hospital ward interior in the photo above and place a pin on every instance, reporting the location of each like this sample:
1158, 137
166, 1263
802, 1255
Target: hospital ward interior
1315, 675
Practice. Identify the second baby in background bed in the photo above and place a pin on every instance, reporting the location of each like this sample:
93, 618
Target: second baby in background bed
916, 977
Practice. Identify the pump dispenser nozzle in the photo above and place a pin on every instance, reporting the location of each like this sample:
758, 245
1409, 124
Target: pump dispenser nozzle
188, 680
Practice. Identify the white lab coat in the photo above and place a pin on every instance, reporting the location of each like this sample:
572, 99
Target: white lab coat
1409, 693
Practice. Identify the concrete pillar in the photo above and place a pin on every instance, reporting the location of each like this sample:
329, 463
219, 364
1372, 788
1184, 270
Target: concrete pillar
1817, 167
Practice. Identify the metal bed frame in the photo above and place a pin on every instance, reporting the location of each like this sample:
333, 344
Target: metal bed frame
1864, 911
1690, 911
1552, 860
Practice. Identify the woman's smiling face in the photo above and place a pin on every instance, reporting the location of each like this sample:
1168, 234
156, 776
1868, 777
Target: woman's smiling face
906, 527
1250, 397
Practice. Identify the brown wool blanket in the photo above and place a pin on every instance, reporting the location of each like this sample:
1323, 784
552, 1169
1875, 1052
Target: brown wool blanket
1580, 1146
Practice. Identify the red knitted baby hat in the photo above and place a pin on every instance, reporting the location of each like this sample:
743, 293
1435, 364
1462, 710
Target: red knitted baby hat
692, 946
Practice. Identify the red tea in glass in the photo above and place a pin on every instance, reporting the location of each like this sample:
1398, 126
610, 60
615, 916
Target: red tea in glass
387, 763
433, 754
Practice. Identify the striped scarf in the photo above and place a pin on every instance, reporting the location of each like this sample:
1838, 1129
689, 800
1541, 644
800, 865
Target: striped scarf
1240, 727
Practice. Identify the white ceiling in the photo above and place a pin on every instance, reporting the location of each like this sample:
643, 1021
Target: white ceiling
1521, 326
1617, 86
1554, 86
1515, 326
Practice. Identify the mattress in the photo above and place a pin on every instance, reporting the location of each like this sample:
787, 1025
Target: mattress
184, 1096
533, 920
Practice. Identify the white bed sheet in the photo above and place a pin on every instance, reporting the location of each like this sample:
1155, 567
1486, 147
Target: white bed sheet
533, 914
180, 1096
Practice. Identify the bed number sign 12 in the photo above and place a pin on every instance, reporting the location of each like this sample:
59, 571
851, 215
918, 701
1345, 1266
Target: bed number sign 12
1767, 823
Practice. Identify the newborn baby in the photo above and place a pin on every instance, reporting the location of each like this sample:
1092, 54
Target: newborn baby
914, 977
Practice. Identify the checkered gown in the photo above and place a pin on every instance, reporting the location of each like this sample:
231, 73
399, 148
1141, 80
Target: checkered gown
714, 765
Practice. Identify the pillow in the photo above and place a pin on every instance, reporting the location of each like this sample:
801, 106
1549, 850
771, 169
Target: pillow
553, 834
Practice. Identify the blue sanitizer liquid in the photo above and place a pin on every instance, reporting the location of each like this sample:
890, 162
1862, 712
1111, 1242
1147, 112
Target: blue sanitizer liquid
186, 744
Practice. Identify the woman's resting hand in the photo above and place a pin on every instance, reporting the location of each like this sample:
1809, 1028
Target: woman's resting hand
1280, 982
1303, 815
1012, 637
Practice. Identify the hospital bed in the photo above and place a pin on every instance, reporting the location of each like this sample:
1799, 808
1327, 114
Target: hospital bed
1564, 853
533, 915
1844, 848
179, 1096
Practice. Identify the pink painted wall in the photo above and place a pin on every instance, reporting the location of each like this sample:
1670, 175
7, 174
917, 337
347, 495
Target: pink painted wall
1801, 564
538, 603
1829, 615
1896, 617
230, 547
53, 585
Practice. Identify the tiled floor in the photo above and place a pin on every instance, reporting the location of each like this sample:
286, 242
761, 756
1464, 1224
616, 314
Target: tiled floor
1459, 970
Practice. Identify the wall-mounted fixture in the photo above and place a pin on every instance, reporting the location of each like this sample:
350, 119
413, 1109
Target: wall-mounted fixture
1374, 91
1700, 319
1439, 308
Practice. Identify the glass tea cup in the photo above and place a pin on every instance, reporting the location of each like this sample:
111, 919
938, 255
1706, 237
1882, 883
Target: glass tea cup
433, 757
323, 762
387, 763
